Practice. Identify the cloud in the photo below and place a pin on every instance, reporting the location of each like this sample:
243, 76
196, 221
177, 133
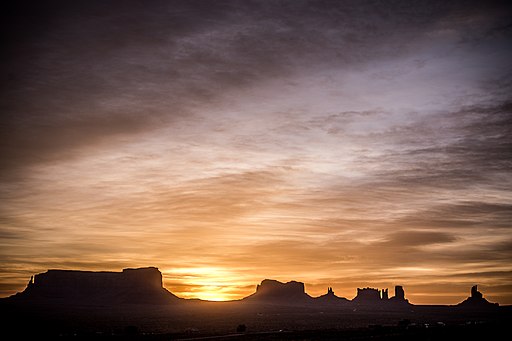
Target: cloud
407, 239
287, 136
462, 215
92, 71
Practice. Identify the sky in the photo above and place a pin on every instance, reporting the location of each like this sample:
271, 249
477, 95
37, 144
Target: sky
339, 143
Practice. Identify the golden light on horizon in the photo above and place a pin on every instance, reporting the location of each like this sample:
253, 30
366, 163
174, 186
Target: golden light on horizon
205, 283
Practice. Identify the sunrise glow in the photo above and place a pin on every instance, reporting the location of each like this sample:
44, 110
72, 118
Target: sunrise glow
349, 145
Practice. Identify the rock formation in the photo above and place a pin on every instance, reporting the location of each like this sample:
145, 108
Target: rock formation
399, 293
475, 294
385, 295
476, 301
399, 298
271, 291
143, 285
367, 296
376, 297
330, 298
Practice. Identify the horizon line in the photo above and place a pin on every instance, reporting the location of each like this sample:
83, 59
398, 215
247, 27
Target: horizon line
329, 288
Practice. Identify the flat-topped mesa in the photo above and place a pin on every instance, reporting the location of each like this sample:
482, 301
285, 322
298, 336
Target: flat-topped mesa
142, 285
291, 289
367, 296
274, 291
142, 278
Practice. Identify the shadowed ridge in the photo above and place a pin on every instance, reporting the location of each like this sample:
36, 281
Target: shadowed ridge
476, 301
141, 286
330, 298
275, 292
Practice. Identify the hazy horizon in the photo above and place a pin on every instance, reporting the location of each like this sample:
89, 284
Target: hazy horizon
339, 143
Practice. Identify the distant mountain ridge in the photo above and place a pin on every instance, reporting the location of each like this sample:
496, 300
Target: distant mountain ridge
144, 286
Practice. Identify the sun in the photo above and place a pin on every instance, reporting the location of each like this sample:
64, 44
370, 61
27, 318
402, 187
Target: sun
212, 294
205, 283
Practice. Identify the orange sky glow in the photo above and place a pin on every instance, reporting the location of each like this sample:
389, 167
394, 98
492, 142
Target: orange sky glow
226, 144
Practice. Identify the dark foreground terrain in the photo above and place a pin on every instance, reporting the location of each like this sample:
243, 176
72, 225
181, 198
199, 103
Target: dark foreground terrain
237, 320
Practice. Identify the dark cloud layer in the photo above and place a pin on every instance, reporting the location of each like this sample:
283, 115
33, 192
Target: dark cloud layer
78, 73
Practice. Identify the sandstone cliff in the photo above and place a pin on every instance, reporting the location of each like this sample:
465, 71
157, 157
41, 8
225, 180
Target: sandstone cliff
142, 285
272, 291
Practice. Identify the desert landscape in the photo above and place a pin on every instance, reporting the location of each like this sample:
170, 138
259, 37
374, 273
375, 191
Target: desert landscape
133, 304
256, 170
